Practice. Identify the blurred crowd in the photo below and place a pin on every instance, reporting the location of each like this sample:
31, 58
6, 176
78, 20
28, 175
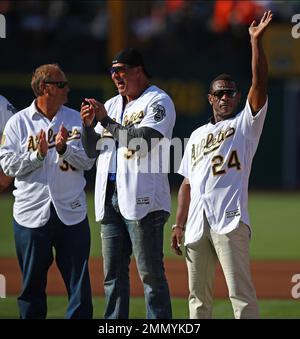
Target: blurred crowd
81, 18
60, 27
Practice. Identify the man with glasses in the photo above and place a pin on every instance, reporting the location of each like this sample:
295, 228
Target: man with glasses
6, 111
214, 194
42, 149
132, 194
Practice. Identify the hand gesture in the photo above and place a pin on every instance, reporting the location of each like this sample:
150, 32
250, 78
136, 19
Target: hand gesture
176, 238
42, 145
61, 140
98, 109
257, 31
87, 113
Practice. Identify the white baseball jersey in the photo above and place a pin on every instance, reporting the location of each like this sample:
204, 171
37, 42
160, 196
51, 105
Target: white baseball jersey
217, 162
140, 190
6, 111
56, 179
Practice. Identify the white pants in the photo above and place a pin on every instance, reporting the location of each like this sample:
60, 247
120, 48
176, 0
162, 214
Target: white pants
232, 250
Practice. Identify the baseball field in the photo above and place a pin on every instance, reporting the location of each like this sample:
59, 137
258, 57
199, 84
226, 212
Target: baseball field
274, 252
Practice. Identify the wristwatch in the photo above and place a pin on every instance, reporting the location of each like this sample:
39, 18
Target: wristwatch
179, 226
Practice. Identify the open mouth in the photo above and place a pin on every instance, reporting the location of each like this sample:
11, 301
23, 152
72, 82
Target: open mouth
120, 84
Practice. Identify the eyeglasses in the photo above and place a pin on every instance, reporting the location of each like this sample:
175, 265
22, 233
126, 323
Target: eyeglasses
59, 84
231, 93
119, 69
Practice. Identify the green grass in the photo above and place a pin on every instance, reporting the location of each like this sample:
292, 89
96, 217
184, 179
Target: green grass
6, 232
275, 222
276, 235
274, 218
269, 309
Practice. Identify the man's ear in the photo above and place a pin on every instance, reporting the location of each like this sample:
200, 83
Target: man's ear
43, 88
210, 99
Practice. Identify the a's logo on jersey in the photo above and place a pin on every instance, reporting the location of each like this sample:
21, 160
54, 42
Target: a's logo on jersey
209, 144
32, 140
135, 118
159, 111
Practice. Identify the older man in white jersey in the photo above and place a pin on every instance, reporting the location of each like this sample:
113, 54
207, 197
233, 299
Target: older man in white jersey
132, 195
213, 197
42, 149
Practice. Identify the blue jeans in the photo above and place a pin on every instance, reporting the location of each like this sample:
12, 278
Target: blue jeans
121, 237
34, 251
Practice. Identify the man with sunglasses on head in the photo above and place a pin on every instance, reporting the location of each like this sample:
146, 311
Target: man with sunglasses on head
213, 197
42, 149
132, 197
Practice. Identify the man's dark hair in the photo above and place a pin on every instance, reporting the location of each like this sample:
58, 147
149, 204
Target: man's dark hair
225, 77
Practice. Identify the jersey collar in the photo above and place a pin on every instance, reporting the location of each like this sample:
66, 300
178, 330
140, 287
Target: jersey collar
33, 109
213, 121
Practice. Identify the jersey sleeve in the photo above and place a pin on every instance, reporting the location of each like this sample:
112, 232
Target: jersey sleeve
13, 161
252, 125
185, 166
99, 128
6, 112
160, 115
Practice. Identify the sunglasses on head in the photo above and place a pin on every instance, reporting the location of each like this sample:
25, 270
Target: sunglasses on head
59, 84
119, 69
231, 93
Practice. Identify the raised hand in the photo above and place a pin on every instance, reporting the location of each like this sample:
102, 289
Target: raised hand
42, 145
61, 139
98, 109
87, 113
257, 31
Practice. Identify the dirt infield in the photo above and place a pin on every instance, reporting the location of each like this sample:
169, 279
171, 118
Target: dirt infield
272, 279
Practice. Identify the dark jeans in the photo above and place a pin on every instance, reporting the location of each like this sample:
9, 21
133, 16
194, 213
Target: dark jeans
121, 237
34, 251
